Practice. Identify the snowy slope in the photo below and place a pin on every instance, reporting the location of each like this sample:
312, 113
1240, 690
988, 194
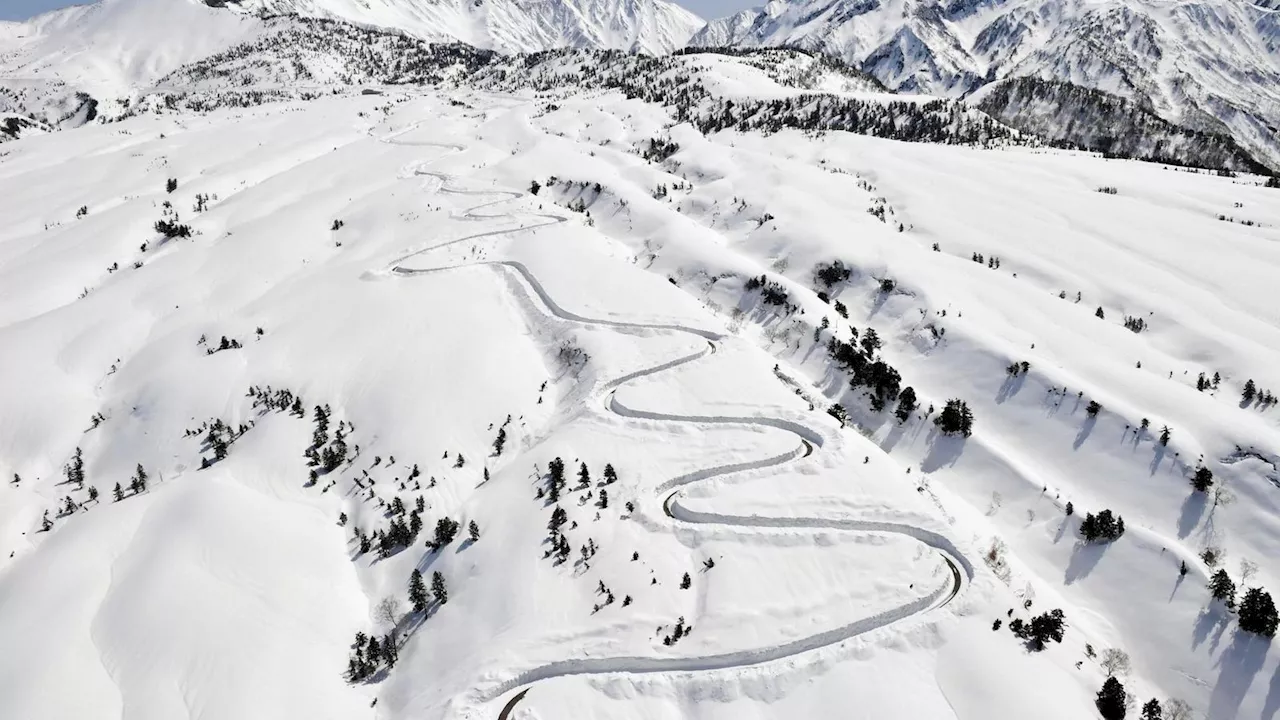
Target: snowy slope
574, 269
652, 26
110, 46
1211, 65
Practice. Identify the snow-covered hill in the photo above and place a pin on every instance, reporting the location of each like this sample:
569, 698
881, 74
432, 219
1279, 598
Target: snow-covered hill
1209, 65
260, 357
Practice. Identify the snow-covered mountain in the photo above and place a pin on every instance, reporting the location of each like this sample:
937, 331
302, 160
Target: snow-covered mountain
650, 26
1209, 65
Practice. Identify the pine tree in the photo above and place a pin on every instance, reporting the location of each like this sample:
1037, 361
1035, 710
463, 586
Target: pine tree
417, 592
685, 582
906, 404
604, 499
499, 441
1111, 700
117, 493
1165, 433
1250, 391
1099, 313
1203, 479
584, 476
446, 531
321, 434
558, 517
1152, 710
1258, 613
93, 493
556, 481
955, 418
139, 484
438, 589
610, 476
1093, 408
474, 531
75, 469
1071, 509
1223, 588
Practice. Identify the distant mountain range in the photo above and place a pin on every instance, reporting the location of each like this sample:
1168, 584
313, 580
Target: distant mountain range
1204, 72
1211, 66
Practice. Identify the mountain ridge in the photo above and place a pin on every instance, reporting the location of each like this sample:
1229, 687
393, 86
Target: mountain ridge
1207, 65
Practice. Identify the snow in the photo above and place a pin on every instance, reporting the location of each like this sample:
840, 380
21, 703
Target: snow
652, 26
849, 575
1212, 65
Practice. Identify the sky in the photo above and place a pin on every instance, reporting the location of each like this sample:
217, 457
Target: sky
23, 9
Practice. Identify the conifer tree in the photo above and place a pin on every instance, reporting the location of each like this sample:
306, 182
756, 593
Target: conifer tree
1223, 588
1250, 391
1258, 613
584, 475
446, 531
610, 476
955, 418
556, 481
1152, 710
93, 493
118, 493
438, 589
474, 530
139, 484
906, 404
1203, 479
685, 582
499, 441
417, 592
1165, 434
1111, 700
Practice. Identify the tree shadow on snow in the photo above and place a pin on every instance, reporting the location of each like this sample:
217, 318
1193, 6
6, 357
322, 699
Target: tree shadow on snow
1192, 511
1239, 663
1085, 430
1272, 704
1157, 458
895, 435
944, 450
1084, 558
1213, 618
1062, 529
1012, 384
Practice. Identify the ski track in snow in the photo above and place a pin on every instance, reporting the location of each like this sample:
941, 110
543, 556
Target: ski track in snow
808, 438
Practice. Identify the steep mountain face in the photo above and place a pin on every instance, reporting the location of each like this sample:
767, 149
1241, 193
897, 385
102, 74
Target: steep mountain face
1209, 65
650, 26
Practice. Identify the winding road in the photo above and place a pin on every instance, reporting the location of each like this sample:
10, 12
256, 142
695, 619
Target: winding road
667, 495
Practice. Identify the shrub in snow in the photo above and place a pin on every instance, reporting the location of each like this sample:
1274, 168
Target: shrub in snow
1042, 628
1105, 526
